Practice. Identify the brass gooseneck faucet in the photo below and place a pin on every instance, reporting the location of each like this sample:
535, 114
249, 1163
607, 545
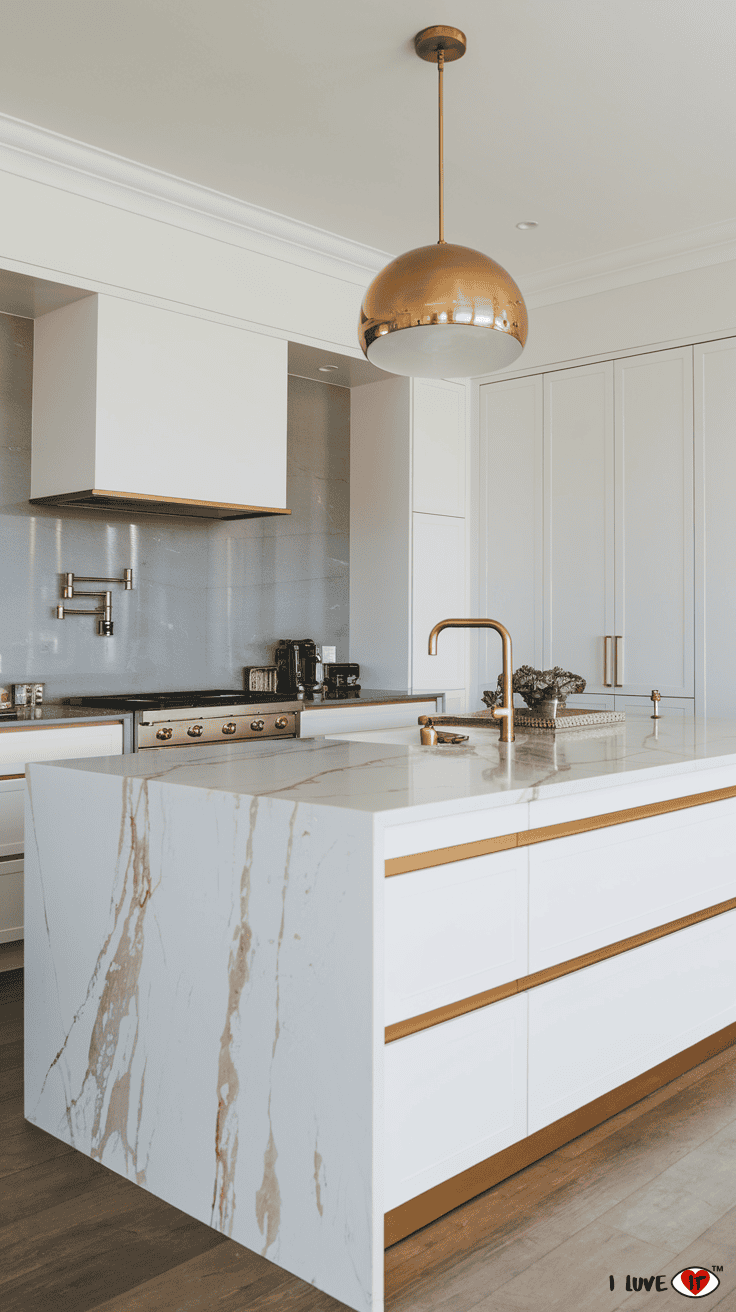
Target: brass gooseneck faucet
504, 713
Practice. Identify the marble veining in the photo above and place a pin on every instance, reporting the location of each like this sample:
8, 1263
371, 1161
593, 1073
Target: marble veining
228, 1082
193, 958
379, 776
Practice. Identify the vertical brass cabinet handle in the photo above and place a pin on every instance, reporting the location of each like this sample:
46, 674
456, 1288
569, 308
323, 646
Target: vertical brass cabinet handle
619, 663
607, 680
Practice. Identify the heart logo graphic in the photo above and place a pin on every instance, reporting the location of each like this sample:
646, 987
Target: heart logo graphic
695, 1282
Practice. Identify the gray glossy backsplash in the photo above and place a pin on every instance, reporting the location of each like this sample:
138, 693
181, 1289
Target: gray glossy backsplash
208, 599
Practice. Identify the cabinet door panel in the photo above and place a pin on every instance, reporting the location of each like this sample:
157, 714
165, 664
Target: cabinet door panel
510, 519
454, 1095
354, 719
12, 802
454, 931
715, 410
11, 901
439, 447
579, 518
596, 1029
654, 523
17, 746
438, 593
592, 701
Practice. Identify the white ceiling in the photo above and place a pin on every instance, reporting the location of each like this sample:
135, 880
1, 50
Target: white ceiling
611, 124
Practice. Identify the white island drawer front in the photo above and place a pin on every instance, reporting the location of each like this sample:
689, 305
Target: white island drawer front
454, 930
593, 889
454, 1095
19, 745
593, 1030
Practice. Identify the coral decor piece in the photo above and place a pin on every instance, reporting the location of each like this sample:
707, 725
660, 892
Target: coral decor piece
537, 686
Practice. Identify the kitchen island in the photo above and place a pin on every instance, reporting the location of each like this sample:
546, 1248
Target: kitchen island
296, 988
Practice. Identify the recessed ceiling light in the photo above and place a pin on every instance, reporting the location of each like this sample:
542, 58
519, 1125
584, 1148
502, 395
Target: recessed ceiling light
327, 368
527, 223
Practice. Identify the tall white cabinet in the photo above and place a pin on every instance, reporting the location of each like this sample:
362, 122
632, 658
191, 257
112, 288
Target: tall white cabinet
715, 479
611, 534
578, 519
409, 533
510, 525
654, 612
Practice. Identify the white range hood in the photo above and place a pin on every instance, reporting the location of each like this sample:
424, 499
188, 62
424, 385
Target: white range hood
141, 409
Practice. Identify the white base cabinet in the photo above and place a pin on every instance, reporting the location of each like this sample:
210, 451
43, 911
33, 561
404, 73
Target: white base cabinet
18, 746
351, 719
634, 705
11, 899
463, 1089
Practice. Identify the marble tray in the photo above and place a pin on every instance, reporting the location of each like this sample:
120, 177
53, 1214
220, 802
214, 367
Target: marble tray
569, 718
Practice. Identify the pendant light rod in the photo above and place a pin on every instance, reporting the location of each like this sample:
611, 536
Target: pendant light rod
440, 71
443, 44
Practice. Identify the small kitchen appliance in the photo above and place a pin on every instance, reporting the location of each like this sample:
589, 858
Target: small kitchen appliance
204, 718
296, 663
260, 678
341, 674
28, 694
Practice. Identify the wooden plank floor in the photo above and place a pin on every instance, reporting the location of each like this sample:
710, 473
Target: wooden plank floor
650, 1191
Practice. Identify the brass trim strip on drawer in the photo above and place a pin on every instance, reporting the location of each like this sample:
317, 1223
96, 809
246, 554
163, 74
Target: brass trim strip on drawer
3, 777
417, 1212
403, 865
413, 1025
68, 724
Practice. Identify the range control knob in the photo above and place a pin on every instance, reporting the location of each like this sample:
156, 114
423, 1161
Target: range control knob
195, 731
282, 722
257, 725
230, 727
164, 733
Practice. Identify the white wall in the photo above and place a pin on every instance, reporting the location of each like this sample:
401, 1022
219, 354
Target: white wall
52, 233
681, 307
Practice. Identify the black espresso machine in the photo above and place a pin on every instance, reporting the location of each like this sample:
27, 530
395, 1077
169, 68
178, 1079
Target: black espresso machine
296, 662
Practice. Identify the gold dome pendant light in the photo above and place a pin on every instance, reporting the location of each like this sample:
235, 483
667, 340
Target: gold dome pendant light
442, 311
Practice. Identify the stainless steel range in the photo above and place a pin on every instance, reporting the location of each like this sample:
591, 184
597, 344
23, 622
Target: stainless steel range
188, 719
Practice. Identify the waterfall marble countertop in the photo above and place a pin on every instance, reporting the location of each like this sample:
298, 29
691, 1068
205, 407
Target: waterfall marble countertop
213, 953
381, 776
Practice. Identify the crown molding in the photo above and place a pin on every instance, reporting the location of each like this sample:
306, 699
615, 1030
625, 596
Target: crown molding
678, 253
48, 157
